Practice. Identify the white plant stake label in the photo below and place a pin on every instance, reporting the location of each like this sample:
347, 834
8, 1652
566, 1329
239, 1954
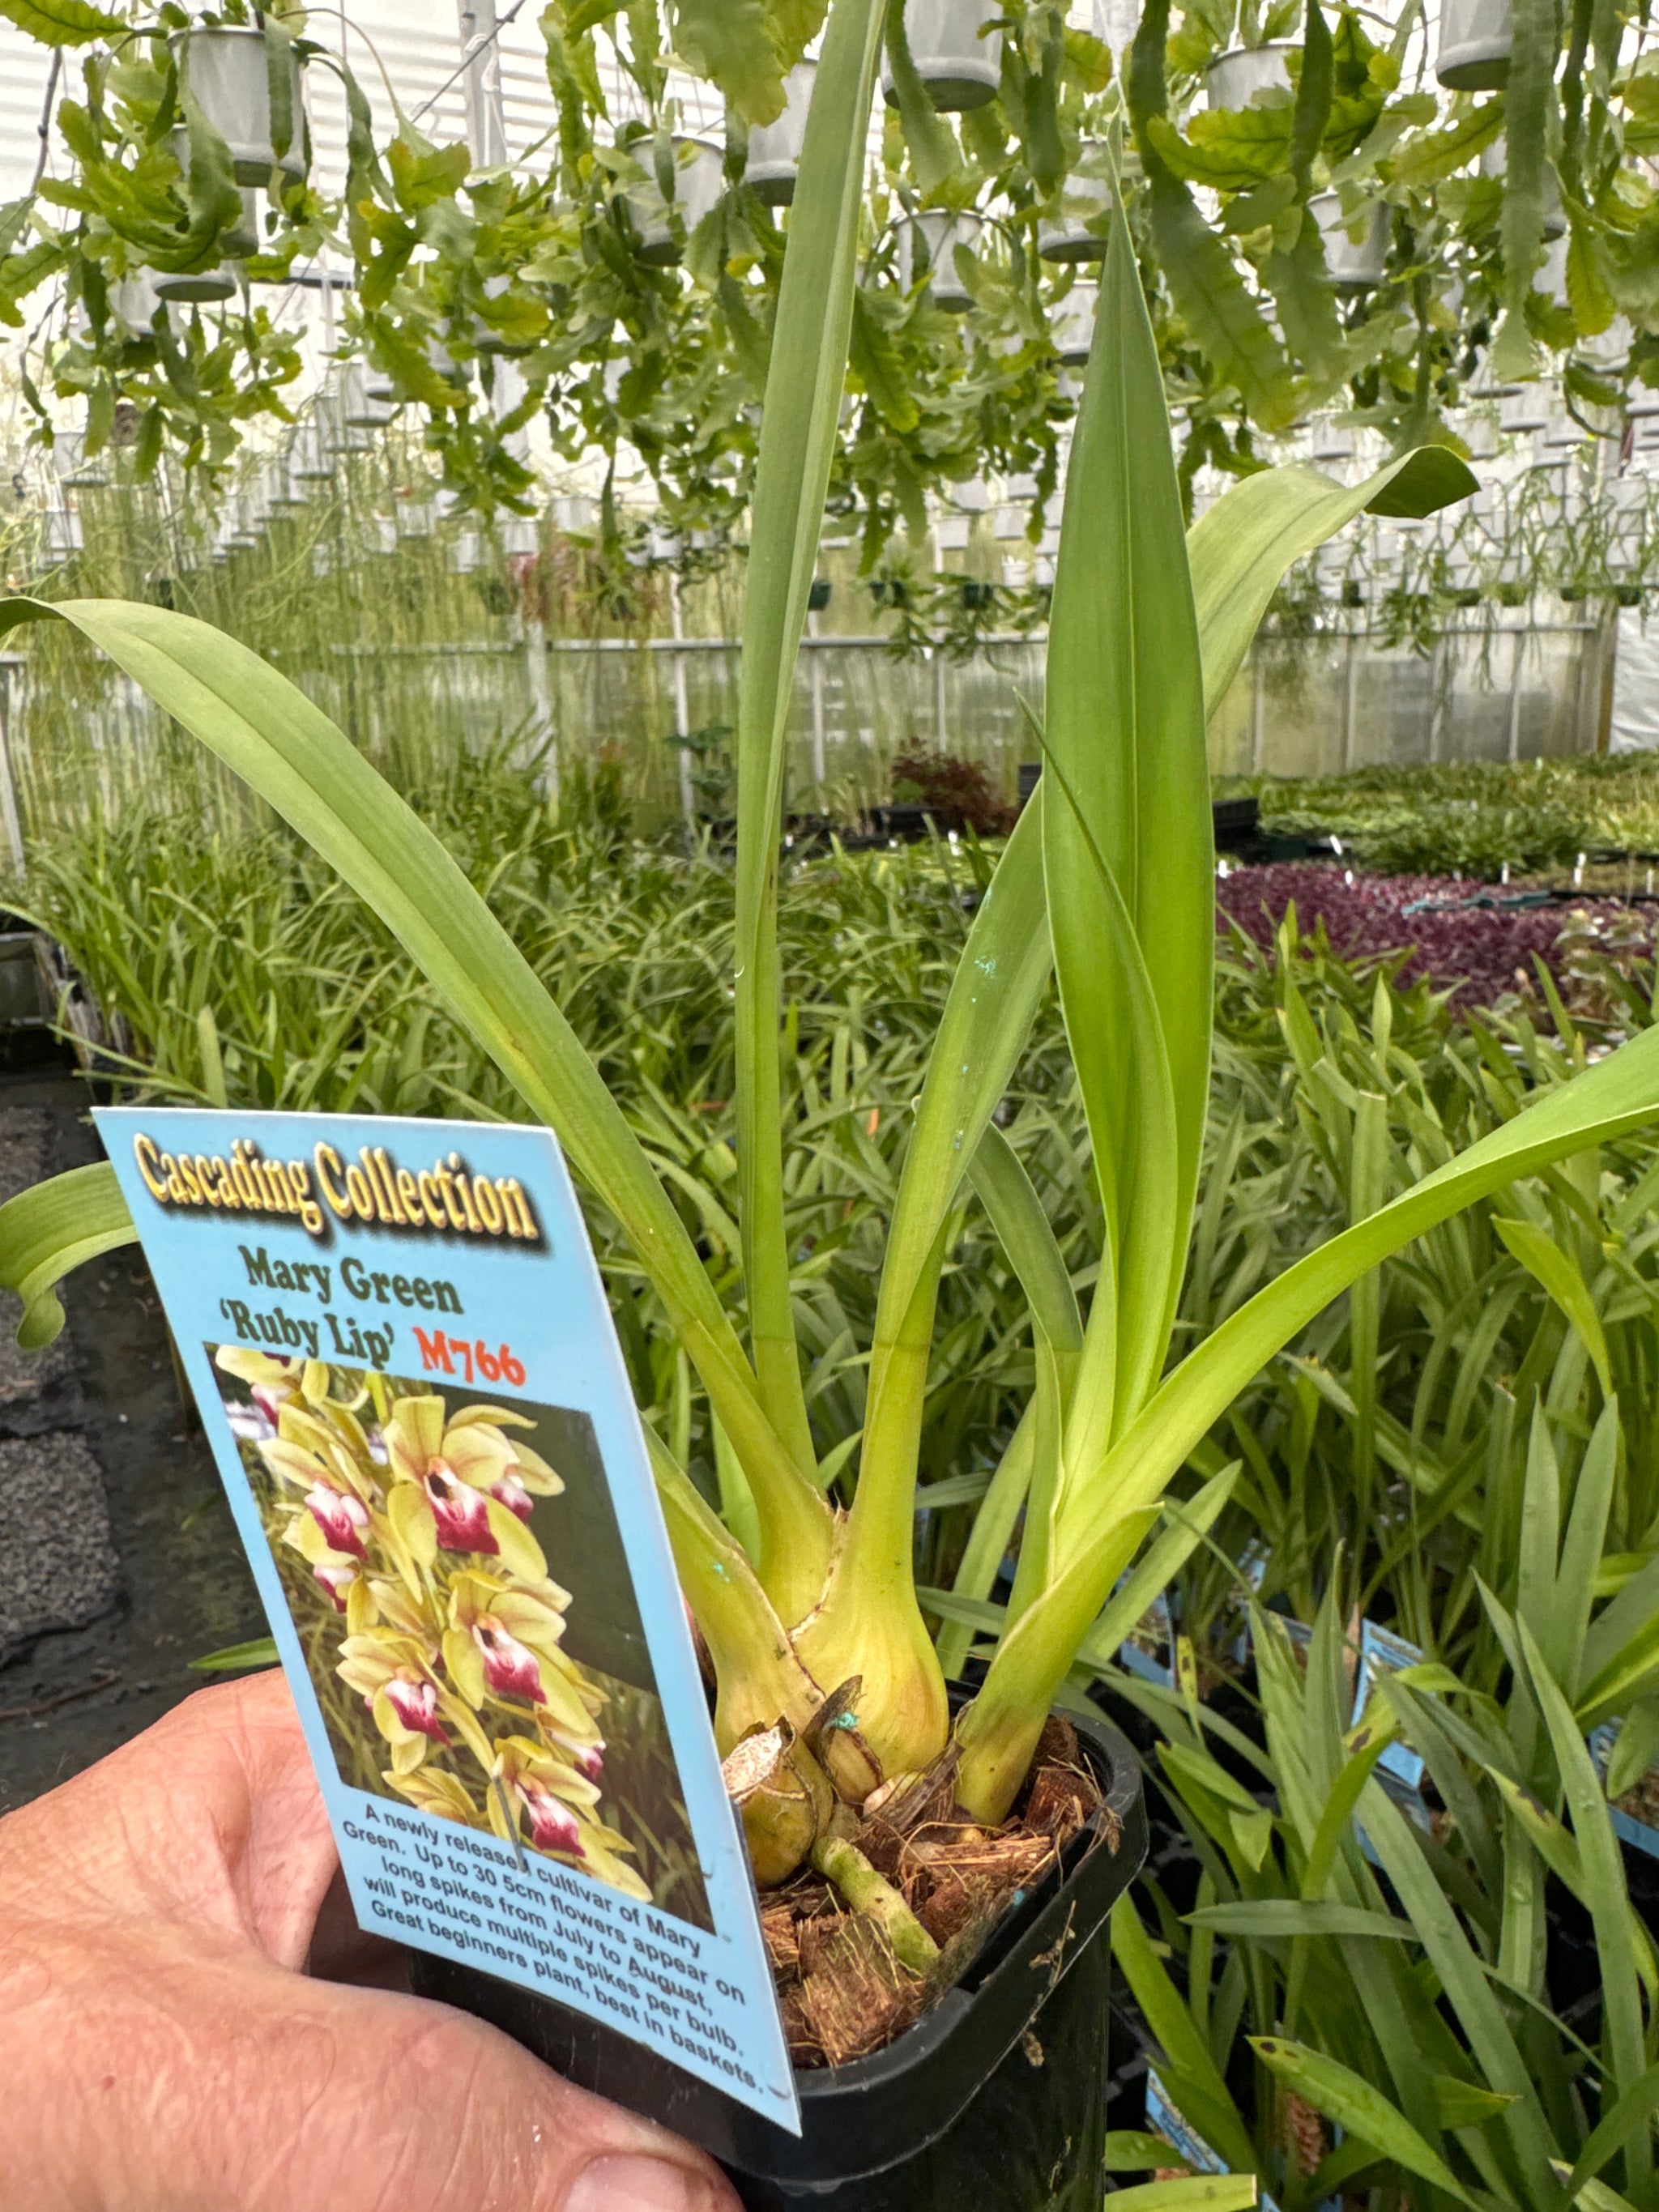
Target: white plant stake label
403, 1358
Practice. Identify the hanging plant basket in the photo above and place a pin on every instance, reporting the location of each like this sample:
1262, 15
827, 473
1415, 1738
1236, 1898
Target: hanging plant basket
928, 242
995, 2098
698, 179
1073, 324
229, 68
1494, 162
1476, 38
193, 287
773, 160
1075, 228
1233, 79
1355, 263
958, 55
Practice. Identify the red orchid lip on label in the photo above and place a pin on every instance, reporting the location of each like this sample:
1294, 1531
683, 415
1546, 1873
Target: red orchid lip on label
432, 1451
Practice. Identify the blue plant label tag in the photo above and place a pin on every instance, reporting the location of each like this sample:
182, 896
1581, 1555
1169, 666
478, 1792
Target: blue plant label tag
1165, 2118
1382, 1652
1633, 1815
403, 1358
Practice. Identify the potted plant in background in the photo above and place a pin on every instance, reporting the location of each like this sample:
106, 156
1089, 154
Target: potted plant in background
812, 1615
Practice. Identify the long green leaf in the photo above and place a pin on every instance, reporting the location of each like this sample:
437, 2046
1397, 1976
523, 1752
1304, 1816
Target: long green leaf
270, 734
1478, 2009
1604, 1893
1191, 2076
1593, 2196
1126, 812
1348, 2099
1617, 1095
1189, 2192
988, 1011
1189, 1524
55, 1227
1269, 1918
1634, 2109
1022, 1230
1240, 547
1582, 1550
798, 442
1560, 1274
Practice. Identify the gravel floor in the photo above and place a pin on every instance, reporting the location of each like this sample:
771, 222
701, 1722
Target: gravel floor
57, 1562
119, 1563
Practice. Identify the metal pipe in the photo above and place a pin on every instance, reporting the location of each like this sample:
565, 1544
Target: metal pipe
481, 64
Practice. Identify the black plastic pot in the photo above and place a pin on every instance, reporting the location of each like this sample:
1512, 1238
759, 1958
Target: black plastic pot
899, 819
1236, 824
996, 2099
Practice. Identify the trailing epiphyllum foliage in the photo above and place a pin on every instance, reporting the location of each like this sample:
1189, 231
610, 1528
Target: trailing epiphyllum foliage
803, 1590
1516, 229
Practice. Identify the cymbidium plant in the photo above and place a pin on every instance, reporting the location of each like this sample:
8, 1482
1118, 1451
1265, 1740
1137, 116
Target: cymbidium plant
414, 1520
1106, 886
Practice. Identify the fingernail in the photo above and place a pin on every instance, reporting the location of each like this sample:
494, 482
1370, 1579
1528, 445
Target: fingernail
638, 2185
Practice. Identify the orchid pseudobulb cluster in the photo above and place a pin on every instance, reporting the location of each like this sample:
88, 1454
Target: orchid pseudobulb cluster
414, 1520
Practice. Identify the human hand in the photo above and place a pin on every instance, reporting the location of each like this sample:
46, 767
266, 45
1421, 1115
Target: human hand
164, 2049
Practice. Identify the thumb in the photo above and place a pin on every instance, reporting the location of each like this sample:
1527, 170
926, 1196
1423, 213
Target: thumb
378, 2098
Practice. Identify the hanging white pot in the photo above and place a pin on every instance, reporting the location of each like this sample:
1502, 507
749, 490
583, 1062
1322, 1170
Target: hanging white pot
309, 459
1494, 160
1073, 324
1355, 263
195, 287
63, 535
198, 287
573, 512
1330, 441
229, 74
1609, 349
68, 457
698, 180
1550, 277
929, 241
958, 57
1077, 223
1476, 38
280, 489
245, 522
1524, 410
1235, 78
774, 158
359, 402
134, 301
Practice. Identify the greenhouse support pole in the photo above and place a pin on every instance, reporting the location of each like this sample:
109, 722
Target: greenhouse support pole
11, 678
681, 705
1350, 697
1438, 690
941, 733
486, 116
541, 705
815, 662
1513, 751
